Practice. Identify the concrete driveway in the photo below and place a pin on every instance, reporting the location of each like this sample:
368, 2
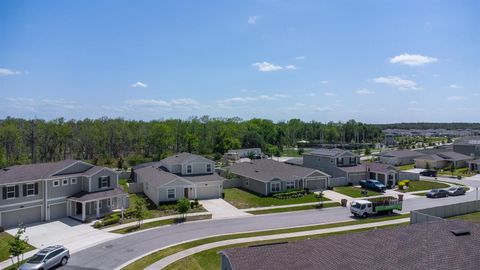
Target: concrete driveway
222, 209
67, 232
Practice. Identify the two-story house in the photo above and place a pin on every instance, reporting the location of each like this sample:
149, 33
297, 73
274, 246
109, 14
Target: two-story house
183, 175
341, 163
48, 191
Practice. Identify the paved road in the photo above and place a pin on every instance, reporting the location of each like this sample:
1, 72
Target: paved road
112, 254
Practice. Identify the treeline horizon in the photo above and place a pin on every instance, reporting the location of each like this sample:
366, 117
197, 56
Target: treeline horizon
111, 141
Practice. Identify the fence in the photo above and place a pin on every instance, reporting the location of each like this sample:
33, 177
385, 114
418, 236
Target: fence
135, 187
338, 181
231, 183
445, 211
409, 176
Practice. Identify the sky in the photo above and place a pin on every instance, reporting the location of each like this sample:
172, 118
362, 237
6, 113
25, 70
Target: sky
372, 61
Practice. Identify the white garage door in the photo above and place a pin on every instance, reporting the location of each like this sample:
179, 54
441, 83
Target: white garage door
208, 192
26, 216
58, 211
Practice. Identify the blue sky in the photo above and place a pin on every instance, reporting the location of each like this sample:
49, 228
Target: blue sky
373, 61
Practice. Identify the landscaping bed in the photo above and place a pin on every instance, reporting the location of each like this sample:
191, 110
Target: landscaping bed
354, 192
243, 199
295, 208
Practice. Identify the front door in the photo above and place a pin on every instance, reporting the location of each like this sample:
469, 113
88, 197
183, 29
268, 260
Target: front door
185, 193
78, 209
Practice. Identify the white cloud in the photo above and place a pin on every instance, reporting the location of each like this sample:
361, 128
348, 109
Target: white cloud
31, 104
251, 99
329, 108
412, 59
324, 82
290, 67
329, 94
8, 72
310, 94
455, 86
402, 84
415, 109
157, 105
253, 19
365, 92
413, 102
456, 98
139, 85
300, 58
266, 67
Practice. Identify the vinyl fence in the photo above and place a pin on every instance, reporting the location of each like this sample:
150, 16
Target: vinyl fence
338, 181
445, 211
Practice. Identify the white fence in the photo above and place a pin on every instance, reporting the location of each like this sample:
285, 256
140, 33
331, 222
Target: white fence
445, 211
337, 181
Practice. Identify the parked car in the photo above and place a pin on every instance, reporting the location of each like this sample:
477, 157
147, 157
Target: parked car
373, 185
47, 258
454, 191
437, 193
431, 173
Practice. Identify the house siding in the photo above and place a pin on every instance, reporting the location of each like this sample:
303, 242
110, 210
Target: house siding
63, 190
469, 150
21, 198
105, 172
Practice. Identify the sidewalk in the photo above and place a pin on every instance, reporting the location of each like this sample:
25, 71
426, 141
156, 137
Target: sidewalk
134, 223
183, 254
335, 196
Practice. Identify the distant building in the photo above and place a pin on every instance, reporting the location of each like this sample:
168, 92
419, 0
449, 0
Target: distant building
236, 154
390, 140
442, 160
447, 244
399, 157
469, 146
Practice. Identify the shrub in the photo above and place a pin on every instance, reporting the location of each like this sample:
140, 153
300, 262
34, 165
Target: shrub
98, 224
289, 194
111, 220
196, 202
192, 205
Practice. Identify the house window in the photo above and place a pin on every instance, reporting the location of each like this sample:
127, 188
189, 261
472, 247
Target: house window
247, 181
73, 181
352, 160
477, 147
99, 204
10, 192
290, 184
171, 193
30, 189
104, 181
209, 167
275, 187
56, 183
64, 182
189, 169
109, 202
339, 161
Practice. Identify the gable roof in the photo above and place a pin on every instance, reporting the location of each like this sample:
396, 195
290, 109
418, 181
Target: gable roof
22, 173
369, 166
446, 156
156, 176
334, 152
400, 154
394, 248
471, 140
181, 158
266, 170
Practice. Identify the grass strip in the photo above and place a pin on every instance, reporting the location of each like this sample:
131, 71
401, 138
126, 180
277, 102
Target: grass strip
296, 208
159, 223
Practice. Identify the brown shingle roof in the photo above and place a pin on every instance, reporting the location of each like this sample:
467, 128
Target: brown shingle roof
411, 247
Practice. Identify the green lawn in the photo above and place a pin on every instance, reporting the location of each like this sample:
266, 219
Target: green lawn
159, 223
354, 192
123, 184
472, 217
210, 259
424, 185
4, 239
152, 258
243, 199
463, 172
406, 167
296, 208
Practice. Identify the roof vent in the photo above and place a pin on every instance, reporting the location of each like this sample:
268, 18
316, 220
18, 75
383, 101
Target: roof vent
460, 232
257, 171
5, 169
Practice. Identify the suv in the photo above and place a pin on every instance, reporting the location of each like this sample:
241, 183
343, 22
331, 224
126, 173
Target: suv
431, 173
373, 185
47, 258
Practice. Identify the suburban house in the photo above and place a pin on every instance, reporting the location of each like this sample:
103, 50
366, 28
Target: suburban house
236, 154
344, 165
474, 165
266, 176
446, 244
183, 175
442, 160
398, 157
48, 191
469, 146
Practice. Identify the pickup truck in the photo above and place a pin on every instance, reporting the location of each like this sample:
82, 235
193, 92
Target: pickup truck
364, 208
373, 185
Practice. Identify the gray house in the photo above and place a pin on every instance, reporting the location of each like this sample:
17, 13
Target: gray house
344, 165
469, 146
443, 160
180, 176
266, 176
399, 157
48, 191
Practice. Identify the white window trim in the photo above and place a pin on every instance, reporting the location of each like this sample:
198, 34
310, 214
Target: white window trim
57, 183
174, 193
290, 182
32, 189
102, 178
63, 182
276, 183
11, 198
206, 167
191, 169
100, 205
73, 181
109, 202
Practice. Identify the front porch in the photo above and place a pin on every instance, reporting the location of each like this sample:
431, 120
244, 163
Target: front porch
89, 206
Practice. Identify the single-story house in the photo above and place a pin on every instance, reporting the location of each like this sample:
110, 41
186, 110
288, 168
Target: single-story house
180, 176
399, 157
387, 174
266, 176
474, 165
446, 244
469, 146
443, 160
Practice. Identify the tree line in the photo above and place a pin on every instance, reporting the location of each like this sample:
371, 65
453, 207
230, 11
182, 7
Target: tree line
109, 141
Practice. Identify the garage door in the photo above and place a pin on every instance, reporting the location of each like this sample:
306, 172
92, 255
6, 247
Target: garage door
58, 211
316, 184
26, 216
208, 192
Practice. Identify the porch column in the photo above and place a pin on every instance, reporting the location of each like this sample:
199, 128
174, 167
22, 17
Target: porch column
98, 208
68, 208
123, 206
83, 212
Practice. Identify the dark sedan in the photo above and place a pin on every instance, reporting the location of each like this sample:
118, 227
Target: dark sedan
437, 193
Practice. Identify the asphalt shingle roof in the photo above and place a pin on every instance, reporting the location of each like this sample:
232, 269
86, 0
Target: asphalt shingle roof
334, 152
181, 158
471, 140
412, 247
266, 169
88, 196
156, 176
21, 173
400, 154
